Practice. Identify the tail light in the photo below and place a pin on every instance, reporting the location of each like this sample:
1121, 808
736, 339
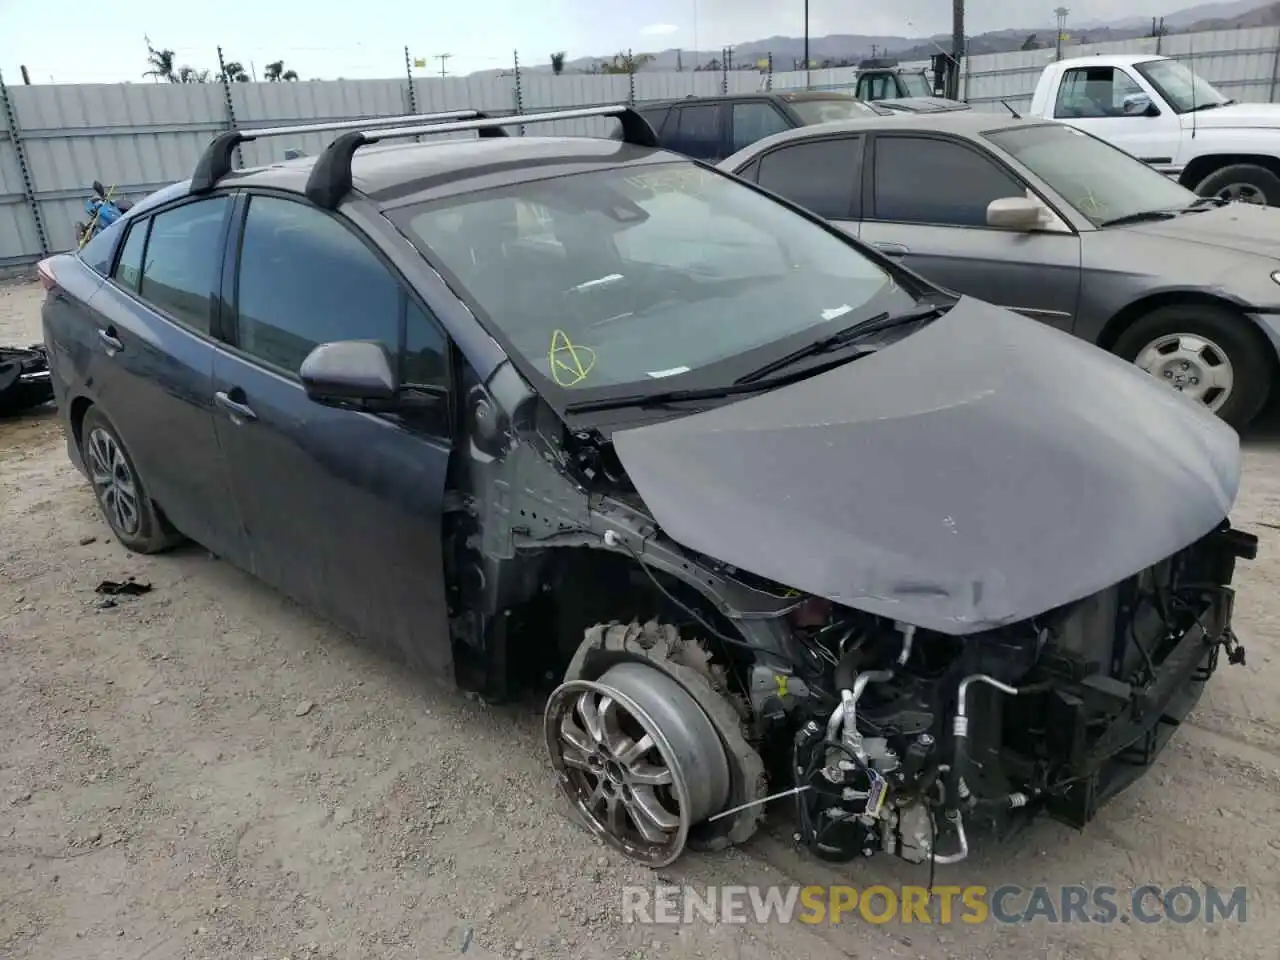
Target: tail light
47, 279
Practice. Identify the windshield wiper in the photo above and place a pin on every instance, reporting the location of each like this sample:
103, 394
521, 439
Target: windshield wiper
1142, 216
1210, 105
841, 338
666, 397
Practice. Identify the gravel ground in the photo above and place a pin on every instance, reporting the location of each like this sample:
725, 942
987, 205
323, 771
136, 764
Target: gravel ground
209, 771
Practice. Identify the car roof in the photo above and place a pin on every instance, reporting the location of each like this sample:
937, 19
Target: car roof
787, 96
400, 173
962, 123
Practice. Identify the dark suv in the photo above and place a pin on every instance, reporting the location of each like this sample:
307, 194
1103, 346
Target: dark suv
514, 406
712, 128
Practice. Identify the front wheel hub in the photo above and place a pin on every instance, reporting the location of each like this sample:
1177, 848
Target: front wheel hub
1193, 365
637, 758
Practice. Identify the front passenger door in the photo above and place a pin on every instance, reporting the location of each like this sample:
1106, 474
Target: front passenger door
929, 207
342, 507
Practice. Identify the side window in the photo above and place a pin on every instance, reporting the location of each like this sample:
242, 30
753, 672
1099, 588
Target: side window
656, 116
697, 131
750, 172
823, 175
755, 120
426, 351
921, 180
183, 253
97, 252
877, 86
128, 272
304, 280
1091, 92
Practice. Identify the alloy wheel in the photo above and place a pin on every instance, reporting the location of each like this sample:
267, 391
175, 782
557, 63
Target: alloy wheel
1243, 193
1191, 364
638, 759
113, 482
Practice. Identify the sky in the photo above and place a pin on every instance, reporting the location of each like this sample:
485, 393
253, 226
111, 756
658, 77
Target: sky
327, 39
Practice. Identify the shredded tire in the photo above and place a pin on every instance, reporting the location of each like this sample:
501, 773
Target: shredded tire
687, 662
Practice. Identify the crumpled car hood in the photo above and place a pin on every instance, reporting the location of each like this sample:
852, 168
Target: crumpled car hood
978, 472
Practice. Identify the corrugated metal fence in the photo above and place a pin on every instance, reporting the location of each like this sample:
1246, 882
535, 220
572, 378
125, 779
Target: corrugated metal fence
56, 139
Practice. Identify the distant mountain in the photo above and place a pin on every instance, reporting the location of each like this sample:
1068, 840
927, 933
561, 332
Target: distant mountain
849, 49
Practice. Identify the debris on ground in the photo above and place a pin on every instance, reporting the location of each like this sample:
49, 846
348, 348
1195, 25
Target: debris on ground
125, 588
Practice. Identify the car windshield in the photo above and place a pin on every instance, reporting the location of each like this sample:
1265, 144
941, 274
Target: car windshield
916, 84
640, 274
1182, 89
1102, 182
832, 110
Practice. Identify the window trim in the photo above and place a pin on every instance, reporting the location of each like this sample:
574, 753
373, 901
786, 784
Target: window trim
228, 333
857, 194
215, 293
871, 214
1062, 85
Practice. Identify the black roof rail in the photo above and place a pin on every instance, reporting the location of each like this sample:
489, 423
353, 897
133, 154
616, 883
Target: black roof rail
330, 178
215, 162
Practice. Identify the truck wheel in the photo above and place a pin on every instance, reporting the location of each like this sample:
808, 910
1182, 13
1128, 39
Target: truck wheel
120, 492
1210, 354
1243, 182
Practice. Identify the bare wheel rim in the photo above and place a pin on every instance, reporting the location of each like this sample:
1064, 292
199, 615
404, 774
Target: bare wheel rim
1193, 365
1243, 193
113, 482
637, 758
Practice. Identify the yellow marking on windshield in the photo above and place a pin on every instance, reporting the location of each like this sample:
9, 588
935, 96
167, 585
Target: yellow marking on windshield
569, 363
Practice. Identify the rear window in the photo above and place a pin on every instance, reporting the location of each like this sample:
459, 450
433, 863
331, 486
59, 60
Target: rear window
833, 110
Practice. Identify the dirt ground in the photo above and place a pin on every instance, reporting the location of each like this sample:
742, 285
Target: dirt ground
209, 771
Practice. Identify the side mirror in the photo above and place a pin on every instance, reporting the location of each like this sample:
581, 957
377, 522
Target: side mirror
349, 371
99, 189
1139, 105
1014, 213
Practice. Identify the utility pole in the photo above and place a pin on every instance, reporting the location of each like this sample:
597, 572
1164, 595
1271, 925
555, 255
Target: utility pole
443, 58
806, 42
957, 47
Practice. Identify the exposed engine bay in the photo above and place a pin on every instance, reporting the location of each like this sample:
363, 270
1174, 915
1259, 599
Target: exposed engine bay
895, 705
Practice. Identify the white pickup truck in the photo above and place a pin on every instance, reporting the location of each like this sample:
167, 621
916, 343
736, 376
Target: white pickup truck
1158, 110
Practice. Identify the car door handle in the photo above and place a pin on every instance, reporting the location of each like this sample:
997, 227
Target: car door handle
110, 340
239, 412
891, 249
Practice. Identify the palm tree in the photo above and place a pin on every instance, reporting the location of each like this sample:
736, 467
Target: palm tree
557, 63
275, 72
161, 62
234, 73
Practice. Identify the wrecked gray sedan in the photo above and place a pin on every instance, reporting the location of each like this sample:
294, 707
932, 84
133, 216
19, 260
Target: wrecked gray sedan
783, 515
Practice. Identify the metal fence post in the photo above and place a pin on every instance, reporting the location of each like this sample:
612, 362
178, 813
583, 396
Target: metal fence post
408, 72
24, 168
724, 69
768, 77
1275, 66
231, 108
631, 79
519, 94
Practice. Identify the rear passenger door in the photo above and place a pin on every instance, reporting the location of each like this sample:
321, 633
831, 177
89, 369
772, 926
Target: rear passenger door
697, 130
928, 206
342, 507
152, 372
823, 175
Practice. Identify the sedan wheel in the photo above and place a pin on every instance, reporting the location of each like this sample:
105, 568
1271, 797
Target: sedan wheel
1193, 365
113, 482
638, 759
1242, 193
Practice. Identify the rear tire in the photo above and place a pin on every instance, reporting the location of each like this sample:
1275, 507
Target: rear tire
1191, 345
121, 494
1244, 182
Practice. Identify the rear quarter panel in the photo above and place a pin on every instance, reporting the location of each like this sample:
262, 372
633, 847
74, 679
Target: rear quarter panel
70, 333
